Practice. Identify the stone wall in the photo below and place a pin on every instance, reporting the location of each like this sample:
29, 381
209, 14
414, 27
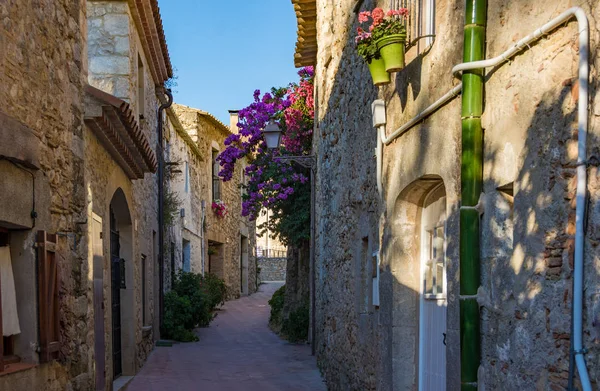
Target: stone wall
42, 65
271, 269
109, 46
527, 247
188, 227
115, 52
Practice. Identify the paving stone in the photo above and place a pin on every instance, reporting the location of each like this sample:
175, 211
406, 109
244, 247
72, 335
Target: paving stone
237, 352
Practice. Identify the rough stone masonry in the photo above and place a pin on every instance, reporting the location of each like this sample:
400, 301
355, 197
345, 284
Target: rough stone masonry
528, 225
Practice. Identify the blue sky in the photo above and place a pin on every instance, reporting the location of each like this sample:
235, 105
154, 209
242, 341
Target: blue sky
224, 50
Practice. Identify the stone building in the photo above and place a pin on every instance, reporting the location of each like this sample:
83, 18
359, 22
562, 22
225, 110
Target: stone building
230, 241
186, 242
266, 244
81, 83
387, 308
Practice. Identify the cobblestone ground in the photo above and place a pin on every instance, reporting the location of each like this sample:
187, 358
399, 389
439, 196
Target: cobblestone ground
237, 352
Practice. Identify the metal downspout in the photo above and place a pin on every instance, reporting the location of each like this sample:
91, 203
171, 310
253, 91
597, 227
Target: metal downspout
471, 180
161, 200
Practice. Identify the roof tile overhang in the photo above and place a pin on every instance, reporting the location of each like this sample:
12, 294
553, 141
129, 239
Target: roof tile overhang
183, 133
113, 121
146, 15
306, 46
220, 125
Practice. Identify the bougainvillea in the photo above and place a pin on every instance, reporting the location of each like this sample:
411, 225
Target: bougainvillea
273, 184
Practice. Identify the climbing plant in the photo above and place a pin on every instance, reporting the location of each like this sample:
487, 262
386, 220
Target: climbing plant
272, 184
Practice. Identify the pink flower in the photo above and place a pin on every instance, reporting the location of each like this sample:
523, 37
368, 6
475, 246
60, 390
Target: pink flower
377, 16
364, 16
371, 27
402, 12
391, 13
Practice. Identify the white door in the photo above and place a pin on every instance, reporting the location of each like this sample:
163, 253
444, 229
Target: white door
433, 302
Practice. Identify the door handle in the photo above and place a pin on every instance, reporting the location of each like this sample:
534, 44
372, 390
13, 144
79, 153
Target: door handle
444, 334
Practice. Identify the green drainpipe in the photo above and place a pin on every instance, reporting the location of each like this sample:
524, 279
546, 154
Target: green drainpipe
471, 188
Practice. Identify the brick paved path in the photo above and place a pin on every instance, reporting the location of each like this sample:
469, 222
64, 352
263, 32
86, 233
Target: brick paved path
237, 352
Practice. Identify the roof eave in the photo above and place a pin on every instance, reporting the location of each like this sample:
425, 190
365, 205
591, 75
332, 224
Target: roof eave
306, 46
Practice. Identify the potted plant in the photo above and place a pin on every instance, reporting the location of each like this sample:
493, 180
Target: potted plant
388, 31
219, 208
366, 48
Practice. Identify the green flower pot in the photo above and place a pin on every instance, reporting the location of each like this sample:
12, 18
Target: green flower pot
378, 72
391, 49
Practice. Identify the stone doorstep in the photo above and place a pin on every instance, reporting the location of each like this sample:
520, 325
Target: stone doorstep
121, 383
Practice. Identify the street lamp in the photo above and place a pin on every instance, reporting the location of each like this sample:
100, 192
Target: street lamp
272, 134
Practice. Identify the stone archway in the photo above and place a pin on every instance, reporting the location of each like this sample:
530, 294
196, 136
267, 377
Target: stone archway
122, 287
405, 247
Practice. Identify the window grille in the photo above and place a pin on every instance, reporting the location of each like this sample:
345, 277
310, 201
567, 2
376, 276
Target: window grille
420, 29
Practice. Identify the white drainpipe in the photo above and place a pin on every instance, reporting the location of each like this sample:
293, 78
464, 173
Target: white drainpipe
378, 106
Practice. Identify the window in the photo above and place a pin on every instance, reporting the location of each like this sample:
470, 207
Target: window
144, 297
243, 181
7, 344
187, 178
216, 181
375, 272
435, 262
421, 20
172, 264
365, 276
22, 306
140, 96
186, 255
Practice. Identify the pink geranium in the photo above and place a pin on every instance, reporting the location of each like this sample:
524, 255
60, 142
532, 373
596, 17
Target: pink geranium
364, 16
377, 16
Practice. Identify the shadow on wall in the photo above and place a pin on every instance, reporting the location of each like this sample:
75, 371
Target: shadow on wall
526, 248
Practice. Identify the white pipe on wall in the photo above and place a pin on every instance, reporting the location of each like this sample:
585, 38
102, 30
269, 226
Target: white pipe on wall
582, 114
454, 92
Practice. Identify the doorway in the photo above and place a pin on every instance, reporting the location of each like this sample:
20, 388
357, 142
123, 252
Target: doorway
115, 283
98, 274
244, 265
122, 287
433, 299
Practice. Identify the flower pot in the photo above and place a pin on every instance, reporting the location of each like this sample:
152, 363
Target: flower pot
391, 49
378, 72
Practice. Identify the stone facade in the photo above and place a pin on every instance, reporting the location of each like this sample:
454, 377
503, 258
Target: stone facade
266, 244
45, 67
272, 269
527, 236
230, 240
186, 237
42, 64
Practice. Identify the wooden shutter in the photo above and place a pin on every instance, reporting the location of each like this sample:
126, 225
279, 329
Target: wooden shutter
48, 296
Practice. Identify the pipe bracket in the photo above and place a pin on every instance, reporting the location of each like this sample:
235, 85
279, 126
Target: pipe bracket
480, 207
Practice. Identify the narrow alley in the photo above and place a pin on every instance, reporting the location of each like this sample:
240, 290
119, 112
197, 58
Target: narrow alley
237, 352
348, 195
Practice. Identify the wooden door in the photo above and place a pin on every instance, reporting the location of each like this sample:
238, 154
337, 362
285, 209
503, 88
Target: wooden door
433, 302
98, 267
